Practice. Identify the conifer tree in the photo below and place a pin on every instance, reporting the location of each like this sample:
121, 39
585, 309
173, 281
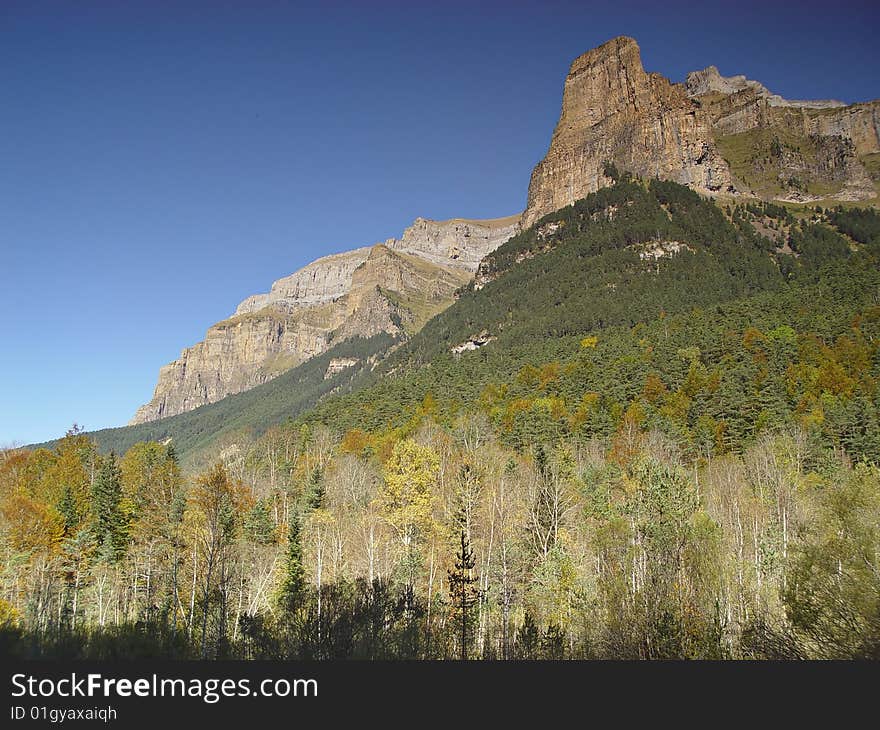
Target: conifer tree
528, 639
258, 525
109, 524
314, 496
293, 581
68, 510
462, 593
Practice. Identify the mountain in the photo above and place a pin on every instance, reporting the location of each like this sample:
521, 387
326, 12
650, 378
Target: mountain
721, 136
640, 280
649, 282
394, 287
642, 425
726, 136
718, 135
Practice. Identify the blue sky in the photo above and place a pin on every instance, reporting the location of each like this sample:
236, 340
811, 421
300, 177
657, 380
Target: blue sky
160, 161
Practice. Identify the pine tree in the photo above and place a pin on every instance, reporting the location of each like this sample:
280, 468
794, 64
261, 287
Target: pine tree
462, 592
68, 510
293, 581
528, 639
314, 496
258, 525
109, 524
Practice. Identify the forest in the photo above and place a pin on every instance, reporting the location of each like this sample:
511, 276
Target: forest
667, 448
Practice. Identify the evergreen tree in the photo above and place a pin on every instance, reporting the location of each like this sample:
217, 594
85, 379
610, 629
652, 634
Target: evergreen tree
528, 639
462, 593
314, 494
293, 580
258, 525
108, 519
68, 510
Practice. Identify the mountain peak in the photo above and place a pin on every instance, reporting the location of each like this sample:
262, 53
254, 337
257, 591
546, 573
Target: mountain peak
623, 50
613, 111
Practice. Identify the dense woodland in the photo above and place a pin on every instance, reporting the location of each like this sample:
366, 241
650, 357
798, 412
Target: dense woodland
662, 452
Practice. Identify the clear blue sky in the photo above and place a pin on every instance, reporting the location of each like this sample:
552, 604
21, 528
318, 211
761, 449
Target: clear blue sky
160, 161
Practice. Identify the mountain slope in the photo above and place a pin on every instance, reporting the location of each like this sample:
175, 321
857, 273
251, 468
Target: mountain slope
649, 286
727, 136
638, 255
245, 415
392, 287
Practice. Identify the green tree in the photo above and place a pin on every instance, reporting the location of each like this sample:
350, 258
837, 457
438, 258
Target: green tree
832, 595
69, 511
109, 523
463, 594
292, 588
258, 524
315, 491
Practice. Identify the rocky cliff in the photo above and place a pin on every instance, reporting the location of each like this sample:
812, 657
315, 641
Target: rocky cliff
457, 242
613, 111
789, 149
393, 287
720, 135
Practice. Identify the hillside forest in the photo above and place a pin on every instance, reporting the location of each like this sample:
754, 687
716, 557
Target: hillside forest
667, 447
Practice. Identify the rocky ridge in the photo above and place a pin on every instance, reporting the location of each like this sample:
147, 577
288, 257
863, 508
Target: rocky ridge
719, 135
709, 80
613, 111
790, 150
392, 287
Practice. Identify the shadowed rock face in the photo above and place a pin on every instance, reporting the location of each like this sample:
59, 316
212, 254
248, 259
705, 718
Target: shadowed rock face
392, 287
612, 110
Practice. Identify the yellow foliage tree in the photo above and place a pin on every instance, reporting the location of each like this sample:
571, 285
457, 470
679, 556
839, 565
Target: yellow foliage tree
32, 526
408, 490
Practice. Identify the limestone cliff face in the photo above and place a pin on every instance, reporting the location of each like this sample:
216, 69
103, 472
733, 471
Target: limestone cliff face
321, 281
789, 149
612, 110
458, 242
237, 354
717, 134
736, 104
393, 287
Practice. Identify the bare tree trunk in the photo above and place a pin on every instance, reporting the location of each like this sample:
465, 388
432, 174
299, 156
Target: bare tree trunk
192, 596
209, 574
75, 599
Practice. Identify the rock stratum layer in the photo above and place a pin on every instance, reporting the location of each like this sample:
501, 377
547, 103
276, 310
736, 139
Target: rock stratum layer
719, 135
393, 287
